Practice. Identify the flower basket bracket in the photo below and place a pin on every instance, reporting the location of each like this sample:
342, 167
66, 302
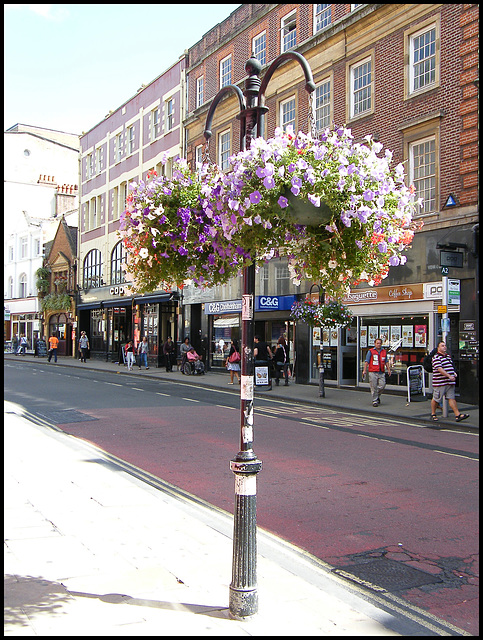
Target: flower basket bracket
303, 212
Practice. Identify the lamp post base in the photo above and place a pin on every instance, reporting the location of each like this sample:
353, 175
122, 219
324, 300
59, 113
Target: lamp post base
243, 603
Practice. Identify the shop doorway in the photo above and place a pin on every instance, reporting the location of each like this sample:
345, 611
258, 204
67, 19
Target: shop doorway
347, 355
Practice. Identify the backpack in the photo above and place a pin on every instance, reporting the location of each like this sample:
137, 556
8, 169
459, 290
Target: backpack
428, 361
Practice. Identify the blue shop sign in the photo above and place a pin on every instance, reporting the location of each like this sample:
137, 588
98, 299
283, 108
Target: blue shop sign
274, 303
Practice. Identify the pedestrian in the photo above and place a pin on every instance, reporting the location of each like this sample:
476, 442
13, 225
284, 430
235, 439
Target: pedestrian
195, 360
444, 383
83, 346
23, 345
15, 343
129, 351
53, 344
263, 356
378, 364
280, 359
168, 350
143, 350
185, 347
232, 362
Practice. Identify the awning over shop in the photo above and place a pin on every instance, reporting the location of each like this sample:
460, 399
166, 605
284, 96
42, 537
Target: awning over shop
160, 297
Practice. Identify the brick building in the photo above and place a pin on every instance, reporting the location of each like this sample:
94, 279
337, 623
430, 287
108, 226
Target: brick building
407, 74
143, 134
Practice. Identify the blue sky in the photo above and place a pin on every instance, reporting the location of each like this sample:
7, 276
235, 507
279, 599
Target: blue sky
67, 65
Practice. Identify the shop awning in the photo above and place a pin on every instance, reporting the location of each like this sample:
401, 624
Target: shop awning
226, 322
160, 297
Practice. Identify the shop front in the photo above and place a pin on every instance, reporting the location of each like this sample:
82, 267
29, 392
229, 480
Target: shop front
404, 317
114, 318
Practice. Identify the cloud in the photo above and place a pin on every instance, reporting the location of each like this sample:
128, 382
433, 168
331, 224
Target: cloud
55, 12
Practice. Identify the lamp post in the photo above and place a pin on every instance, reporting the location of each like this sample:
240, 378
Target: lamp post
245, 465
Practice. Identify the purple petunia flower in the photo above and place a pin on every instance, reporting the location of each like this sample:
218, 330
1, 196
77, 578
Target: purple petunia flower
255, 197
282, 202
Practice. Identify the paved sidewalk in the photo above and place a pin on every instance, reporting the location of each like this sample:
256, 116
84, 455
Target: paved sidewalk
91, 550
393, 405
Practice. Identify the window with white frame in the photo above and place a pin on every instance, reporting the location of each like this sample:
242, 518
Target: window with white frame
92, 213
200, 91
225, 72
422, 171
322, 105
37, 246
259, 47
118, 257
22, 286
92, 270
24, 247
282, 278
10, 253
169, 114
89, 166
287, 113
154, 124
98, 160
288, 31
198, 156
10, 287
224, 150
130, 139
123, 193
361, 88
422, 67
118, 147
322, 16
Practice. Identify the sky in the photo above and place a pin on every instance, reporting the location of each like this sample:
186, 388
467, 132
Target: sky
67, 65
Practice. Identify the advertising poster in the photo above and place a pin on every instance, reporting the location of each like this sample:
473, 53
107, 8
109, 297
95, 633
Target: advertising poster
316, 336
363, 336
420, 335
395, 333
333, 337
325, 337
407, 335
373, 335
384, 335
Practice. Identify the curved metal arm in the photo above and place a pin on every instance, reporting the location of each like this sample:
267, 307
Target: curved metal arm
216, 100
288, 55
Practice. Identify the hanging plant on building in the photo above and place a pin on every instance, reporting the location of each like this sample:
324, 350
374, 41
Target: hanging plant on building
328, 316
56, 302
42, 283
334, 208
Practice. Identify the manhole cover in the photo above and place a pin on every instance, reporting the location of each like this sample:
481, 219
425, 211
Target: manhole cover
387, 574
65, 416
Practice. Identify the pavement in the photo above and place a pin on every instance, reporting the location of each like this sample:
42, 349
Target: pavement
94, 546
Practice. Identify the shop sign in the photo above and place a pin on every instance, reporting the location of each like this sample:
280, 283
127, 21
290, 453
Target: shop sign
224, 306
396, 293
453, 291
117, 291
274, 303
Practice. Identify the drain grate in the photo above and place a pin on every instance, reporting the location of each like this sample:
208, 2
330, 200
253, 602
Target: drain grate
65, 416
385, 574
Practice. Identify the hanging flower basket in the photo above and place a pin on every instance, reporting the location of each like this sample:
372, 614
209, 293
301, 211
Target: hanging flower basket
328, 316
205, 226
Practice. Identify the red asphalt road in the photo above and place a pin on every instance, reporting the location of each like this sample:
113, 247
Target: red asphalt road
326, 491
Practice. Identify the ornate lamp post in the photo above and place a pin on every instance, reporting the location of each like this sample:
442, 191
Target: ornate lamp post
245, 465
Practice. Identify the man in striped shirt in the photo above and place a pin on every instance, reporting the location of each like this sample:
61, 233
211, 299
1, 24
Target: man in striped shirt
444, 382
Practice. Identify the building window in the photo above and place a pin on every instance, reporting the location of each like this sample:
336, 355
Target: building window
322, 105
287, 114
122, 198
154, 126
98, 160
130, 138
92, 213
322, 17
288, 31
10, 287
22, 282
199, 156
224, 150
422, 172
259, 47
169, 114
10, 253
92, 271
200, 97
118, 147
282, 279
90, 166
37, 246
361, 83
423, 60
118, 257
24, 247
225, 72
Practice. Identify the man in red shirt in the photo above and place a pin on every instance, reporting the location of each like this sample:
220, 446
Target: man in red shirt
378, 364
444, 382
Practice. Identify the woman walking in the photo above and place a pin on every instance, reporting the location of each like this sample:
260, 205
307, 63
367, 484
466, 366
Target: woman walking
233, 360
